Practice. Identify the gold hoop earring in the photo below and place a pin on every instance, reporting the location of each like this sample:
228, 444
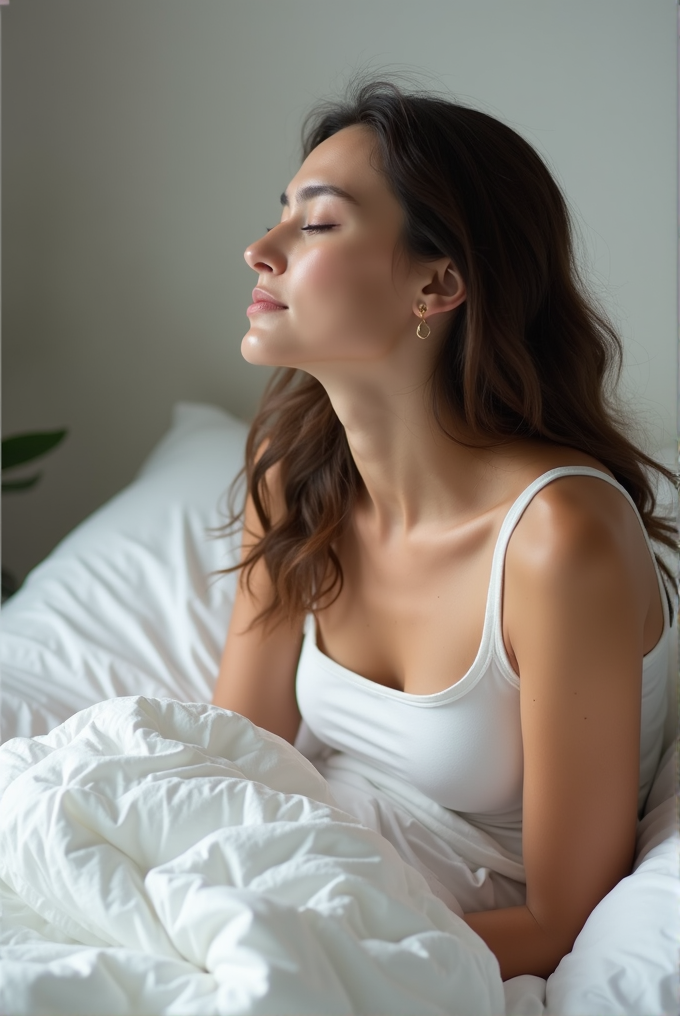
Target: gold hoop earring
423, 323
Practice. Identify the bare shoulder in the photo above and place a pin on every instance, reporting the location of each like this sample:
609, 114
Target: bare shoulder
578, 546
577, 518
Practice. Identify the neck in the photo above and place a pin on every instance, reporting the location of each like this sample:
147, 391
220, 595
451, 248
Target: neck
416, 477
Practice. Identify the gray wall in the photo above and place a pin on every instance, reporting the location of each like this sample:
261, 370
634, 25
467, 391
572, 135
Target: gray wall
145, 143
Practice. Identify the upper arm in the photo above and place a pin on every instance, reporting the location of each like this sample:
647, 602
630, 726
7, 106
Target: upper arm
258, 666
576, 606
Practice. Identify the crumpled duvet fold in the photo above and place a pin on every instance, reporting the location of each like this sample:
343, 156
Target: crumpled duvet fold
164, 857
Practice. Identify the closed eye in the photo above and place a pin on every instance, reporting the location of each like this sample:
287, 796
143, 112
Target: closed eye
310, 229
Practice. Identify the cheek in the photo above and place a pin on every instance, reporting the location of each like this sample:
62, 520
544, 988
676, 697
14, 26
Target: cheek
345, 292
324, 275
343, 304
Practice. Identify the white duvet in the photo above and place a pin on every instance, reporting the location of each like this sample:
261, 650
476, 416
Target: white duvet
159, 857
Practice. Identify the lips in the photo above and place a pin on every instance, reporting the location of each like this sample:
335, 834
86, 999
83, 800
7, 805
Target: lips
262, 296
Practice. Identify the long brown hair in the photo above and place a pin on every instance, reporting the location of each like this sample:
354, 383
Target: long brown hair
528, 354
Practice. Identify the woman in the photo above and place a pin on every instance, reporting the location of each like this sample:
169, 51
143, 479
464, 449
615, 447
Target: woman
442, 501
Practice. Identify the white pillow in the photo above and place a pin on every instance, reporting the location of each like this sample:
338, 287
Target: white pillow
125, 605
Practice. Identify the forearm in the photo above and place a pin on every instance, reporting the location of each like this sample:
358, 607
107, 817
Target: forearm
518, 942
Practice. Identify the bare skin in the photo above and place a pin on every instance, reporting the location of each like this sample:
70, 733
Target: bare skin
581, 601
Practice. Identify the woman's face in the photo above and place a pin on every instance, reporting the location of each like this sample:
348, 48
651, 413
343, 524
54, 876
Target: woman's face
332, 263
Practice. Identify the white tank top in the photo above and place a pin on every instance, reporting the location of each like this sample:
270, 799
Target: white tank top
462, 747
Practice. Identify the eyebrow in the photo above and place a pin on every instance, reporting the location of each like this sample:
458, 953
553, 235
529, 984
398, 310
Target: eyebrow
313, 190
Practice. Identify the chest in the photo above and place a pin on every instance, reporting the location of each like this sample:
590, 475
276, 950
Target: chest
410, 615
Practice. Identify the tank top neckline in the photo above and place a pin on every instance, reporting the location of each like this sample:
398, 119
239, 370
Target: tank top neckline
492, 635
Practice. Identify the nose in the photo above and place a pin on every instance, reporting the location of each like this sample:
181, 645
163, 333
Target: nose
263, 256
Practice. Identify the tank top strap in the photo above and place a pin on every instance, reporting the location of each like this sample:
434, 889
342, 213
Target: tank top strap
494, 600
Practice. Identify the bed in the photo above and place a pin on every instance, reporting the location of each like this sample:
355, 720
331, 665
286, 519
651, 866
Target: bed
159, 855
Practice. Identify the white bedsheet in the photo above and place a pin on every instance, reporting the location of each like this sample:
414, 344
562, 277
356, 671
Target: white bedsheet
158, 857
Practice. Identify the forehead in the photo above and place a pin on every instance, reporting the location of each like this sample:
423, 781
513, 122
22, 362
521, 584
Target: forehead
348, 160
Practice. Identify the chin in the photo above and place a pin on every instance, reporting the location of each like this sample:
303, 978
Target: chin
262, 353
254, 350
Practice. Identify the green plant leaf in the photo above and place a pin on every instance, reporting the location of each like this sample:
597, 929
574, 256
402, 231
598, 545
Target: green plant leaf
30, 481
25, 447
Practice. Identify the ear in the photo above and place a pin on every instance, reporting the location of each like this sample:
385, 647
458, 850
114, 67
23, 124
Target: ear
445, 290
